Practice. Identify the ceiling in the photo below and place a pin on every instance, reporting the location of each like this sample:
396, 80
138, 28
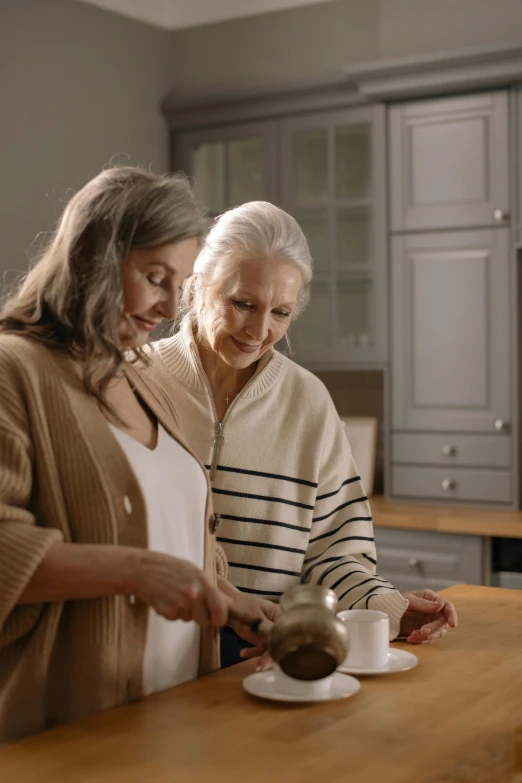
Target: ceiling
177, 14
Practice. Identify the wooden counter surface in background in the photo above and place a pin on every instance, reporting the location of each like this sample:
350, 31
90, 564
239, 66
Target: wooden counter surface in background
451, 719
446, 519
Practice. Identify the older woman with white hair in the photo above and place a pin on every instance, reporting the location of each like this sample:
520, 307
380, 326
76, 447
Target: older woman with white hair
290, 500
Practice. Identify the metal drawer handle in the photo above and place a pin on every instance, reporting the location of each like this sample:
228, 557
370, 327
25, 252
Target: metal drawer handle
501, 426
413, 562
449, 451
448, 484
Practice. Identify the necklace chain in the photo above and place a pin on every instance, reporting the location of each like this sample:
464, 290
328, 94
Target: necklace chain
229, 396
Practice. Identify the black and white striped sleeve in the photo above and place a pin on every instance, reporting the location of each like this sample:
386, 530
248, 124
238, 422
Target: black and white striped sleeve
341, 551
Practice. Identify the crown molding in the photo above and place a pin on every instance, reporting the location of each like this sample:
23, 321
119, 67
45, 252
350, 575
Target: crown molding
427, 75
299, 99
379, 80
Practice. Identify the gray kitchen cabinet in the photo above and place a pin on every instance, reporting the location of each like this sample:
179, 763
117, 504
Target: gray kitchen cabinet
451, 332
230, 164
333, 183
449, 162
416, 560
452, 338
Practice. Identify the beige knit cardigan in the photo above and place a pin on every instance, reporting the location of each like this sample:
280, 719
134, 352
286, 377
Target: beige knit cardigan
64, 477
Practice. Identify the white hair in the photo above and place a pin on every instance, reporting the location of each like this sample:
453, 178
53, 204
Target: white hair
255, 230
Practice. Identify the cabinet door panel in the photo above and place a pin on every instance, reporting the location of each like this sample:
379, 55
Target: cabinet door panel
230, 164
314, 328
451, 331
310, 167
415, 559
449, 162
207, 166
247, 176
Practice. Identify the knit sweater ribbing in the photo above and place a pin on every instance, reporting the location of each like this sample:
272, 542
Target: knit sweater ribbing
64, 477
291, 503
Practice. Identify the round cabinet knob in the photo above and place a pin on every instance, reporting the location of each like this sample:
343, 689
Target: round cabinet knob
500, 425
449, 451
500, 216
413, 562
447, 484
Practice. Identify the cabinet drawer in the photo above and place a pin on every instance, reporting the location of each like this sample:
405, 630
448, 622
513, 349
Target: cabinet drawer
415, 559
452, 483
437, 449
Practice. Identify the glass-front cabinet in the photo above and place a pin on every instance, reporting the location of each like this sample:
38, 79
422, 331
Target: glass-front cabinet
333, 182
328, 170
230, 164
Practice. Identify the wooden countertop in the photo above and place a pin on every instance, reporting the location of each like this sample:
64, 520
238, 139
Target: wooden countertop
446, 519
452, 719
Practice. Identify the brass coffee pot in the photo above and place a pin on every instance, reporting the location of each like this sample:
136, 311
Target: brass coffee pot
308, 641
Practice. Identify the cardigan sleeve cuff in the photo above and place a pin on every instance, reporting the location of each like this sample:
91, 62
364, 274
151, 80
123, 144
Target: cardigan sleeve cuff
394, 605
22, 548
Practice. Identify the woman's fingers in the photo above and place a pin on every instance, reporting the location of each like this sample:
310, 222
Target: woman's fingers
253, 652
450, 613
216, 603
265, 662
424, 604
177, 590
429, 631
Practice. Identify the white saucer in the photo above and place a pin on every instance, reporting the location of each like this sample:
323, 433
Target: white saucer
262, 684
398, 661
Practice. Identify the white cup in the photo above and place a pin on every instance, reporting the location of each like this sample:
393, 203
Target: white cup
368, 632
305, 689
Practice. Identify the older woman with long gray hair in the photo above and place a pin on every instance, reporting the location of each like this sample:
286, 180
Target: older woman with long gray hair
291, 504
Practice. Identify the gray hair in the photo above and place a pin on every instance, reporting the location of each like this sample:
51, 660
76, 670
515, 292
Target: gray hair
73, 297
255, 230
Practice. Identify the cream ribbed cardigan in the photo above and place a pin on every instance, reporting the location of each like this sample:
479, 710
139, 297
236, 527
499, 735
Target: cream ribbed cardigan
64, 477
291, 504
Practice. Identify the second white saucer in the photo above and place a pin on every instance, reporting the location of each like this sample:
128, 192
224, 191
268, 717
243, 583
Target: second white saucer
262, 684
398, 661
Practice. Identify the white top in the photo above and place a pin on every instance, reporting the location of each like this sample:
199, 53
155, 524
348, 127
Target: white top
175, 491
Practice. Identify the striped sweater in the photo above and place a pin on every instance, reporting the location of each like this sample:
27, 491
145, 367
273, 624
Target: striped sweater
284, 482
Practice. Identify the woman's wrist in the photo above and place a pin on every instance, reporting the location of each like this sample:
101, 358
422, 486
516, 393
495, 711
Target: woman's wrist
83, 571
227, 587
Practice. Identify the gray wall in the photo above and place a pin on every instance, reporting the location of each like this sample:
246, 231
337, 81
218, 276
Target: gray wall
415, 26
314, 42
277, 49
78, 85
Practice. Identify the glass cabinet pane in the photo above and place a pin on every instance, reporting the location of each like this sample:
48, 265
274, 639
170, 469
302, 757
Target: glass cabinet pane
316, 227
353, 162
313, 329
311, 166
208, 170
334, 184
353, 230
247, 171
354, 309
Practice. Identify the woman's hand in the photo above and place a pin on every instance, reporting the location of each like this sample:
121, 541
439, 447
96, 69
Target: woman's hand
177, 590
427, 617
244, 610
